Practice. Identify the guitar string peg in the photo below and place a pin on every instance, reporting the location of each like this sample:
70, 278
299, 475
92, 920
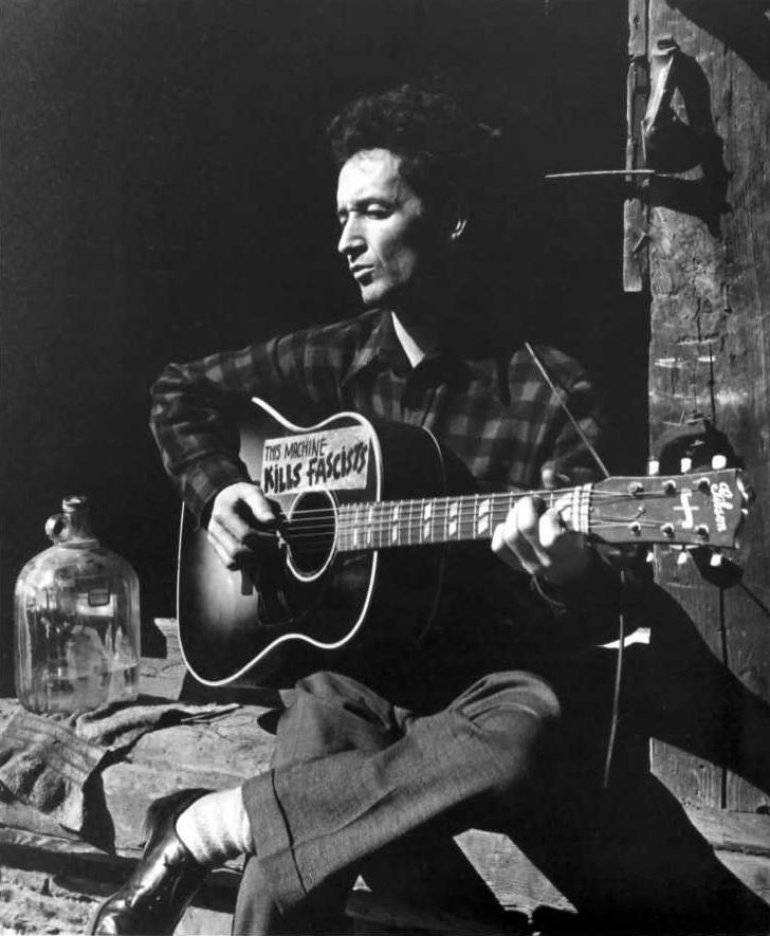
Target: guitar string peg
717, 568
747, 492
653, 466
685, 465
718, 462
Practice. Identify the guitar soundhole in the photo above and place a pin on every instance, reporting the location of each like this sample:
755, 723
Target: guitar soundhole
312, 523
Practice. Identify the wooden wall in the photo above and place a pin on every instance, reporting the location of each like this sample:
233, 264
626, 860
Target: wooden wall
709, 282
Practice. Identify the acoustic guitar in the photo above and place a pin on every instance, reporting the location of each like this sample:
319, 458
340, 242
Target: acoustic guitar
370, 511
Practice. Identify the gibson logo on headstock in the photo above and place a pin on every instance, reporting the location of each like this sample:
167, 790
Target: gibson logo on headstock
722, 499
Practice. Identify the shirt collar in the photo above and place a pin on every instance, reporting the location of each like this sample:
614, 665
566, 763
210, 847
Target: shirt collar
382, 347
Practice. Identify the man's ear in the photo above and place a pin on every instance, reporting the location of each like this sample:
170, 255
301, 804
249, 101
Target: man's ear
454, 218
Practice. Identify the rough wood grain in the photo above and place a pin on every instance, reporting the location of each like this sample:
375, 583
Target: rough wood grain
710, 318
515, 881
696, 782
635, 222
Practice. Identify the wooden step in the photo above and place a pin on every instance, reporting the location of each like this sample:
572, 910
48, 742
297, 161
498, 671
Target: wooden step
233, 747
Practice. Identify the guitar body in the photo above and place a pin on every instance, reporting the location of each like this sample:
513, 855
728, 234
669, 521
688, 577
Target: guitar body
313, 605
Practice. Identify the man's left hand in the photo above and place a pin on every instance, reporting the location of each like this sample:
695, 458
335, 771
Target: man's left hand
535, 538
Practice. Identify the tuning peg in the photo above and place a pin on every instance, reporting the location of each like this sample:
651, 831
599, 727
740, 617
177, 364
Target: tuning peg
718, 462
685, 465
716, 568
682, 558
653, 466
748, 494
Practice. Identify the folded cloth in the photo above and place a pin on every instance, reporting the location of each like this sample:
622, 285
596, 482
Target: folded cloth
46, 760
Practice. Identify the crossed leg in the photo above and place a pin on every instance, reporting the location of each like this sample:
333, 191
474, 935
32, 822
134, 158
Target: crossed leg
361, 786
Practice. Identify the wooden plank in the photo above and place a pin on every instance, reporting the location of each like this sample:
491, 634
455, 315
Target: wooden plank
742, 845
383, 914
710, 325
166, 758
57, 854
748, 654
753, 871
743, 372
694, 781
635, 221
214, 754
507, 871
733, 831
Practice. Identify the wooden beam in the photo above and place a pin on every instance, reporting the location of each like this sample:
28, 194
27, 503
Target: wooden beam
635, 222
710, 347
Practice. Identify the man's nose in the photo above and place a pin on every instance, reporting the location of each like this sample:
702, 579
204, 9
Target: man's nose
351, 242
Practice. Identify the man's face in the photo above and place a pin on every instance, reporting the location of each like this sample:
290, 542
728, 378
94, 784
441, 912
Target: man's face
385, 238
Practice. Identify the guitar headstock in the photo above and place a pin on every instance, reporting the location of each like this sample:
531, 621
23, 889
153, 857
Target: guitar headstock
705, 508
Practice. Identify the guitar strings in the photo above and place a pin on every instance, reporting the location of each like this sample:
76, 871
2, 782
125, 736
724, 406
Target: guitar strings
383, 528
384, 510
412, 506
322, 535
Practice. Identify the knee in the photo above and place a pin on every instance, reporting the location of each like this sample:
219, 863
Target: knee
500, 699
340, 696
328, 713
325, 684
513, 714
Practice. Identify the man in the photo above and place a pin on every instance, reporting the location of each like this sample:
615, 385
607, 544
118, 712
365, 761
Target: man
377, 767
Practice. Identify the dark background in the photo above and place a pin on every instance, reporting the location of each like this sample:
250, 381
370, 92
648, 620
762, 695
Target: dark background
166, 193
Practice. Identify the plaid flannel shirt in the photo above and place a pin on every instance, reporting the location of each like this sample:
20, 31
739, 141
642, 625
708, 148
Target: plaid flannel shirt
497, 414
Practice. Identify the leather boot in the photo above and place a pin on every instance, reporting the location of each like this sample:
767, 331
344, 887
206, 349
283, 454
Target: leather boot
162, 884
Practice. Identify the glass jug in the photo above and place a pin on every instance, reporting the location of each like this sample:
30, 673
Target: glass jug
77, 621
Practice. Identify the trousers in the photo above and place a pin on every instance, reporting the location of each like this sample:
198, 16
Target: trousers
353, 773
361, 786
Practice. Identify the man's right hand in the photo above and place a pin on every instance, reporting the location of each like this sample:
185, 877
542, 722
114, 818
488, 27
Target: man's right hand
243, 524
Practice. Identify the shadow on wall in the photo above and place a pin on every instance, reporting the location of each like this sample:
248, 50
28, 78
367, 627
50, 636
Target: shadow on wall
746, 30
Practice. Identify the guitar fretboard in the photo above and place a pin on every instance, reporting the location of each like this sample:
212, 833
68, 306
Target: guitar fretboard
384, 524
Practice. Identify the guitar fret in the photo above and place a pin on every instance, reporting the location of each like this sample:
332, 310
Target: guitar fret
453, 525
394, 515
482, 517
469, 530
383, 524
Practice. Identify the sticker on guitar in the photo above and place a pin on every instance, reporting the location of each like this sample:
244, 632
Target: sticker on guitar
335, 459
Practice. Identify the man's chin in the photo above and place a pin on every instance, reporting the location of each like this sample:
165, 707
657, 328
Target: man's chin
373, 297
370, 298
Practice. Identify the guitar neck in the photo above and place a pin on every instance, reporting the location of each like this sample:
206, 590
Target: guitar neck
386, 524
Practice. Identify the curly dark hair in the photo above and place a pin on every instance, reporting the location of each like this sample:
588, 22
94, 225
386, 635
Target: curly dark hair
443, 151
